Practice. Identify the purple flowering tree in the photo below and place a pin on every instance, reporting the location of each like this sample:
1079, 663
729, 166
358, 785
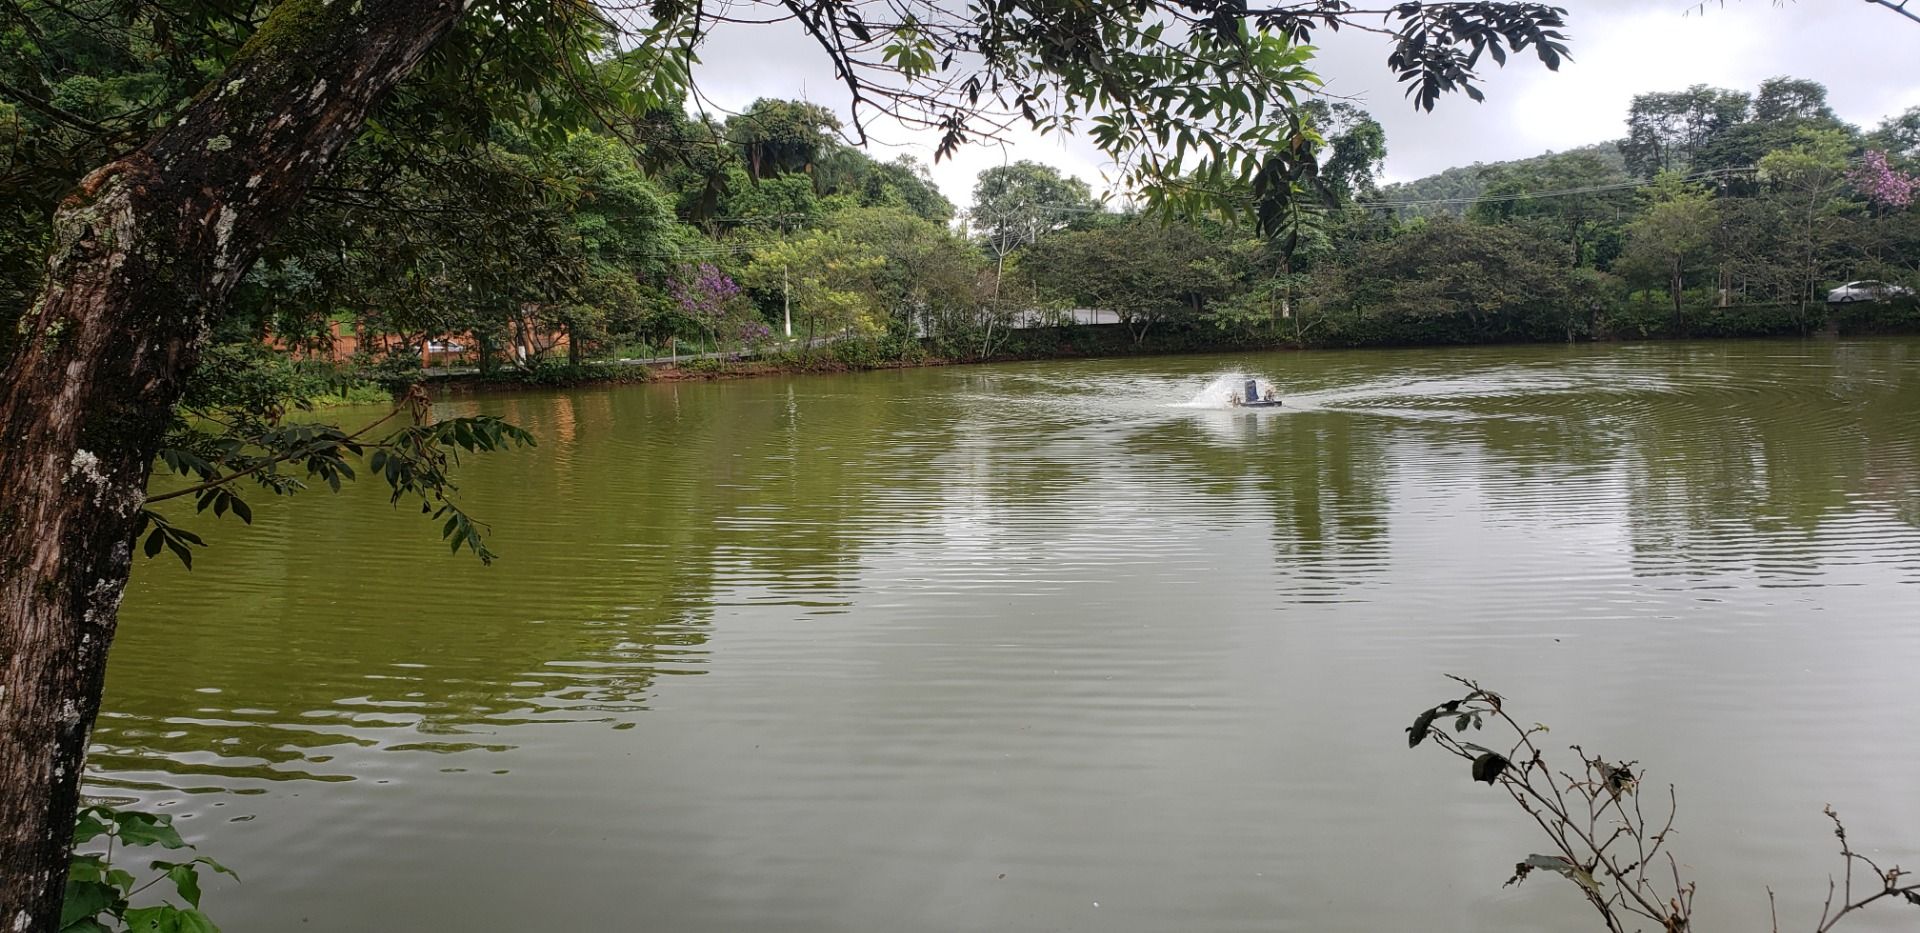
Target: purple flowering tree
753, 332
1886, 187
706, 295
715, 304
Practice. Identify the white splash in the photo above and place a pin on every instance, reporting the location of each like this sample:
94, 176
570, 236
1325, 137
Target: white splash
1221, 392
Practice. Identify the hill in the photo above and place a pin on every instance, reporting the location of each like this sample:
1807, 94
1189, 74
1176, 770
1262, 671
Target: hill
1470, 181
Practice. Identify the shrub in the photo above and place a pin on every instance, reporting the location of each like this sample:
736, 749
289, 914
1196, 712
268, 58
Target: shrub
561, 375
1876, 317
100, 893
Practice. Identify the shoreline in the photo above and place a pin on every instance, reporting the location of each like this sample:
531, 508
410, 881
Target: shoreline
566, 376
596, 374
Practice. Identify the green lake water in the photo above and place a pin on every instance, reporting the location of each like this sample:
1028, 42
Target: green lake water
1057, 646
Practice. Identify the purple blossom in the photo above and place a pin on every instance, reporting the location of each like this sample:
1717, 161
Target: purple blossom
1883, 184
704, 292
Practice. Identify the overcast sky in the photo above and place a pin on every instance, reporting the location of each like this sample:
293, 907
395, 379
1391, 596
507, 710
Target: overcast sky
1867, 56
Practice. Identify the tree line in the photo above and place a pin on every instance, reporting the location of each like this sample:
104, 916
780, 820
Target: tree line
1720, 213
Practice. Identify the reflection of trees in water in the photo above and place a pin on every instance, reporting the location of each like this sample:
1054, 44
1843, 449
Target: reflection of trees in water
1321, 481
1715, 457
1752, 472
336, 625
1724, 457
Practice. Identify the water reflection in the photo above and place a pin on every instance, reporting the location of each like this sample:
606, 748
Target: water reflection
934, 627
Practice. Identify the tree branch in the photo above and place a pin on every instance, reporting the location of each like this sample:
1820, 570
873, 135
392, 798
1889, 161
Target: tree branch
279, 458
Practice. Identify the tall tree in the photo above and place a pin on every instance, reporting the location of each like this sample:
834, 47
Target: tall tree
929, 280
619, 227
1666, 130
1791, 100
1015, 205
143, 253
1671, 236
1783, 110
1148, 273
778, 137
146, 249
1355, 148
829, 278
1808, 179
1899, 135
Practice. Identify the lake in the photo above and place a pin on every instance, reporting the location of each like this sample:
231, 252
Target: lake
1057, 646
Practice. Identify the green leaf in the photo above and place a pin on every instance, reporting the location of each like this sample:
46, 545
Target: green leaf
86, 899
145, 829
86, 868
121, 879
87, 826
185, 878
179, 550
216, 866
161, 919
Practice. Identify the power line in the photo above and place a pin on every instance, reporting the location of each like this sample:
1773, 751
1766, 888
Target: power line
1563, 192
1706, 175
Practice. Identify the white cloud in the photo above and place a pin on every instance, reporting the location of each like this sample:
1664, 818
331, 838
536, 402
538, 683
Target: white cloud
1864, 54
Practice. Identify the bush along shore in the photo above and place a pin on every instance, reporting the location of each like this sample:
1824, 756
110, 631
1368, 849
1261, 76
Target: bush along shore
1620, 322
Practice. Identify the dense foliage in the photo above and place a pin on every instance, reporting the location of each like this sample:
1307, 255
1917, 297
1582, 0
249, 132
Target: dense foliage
1721, 213
766, 232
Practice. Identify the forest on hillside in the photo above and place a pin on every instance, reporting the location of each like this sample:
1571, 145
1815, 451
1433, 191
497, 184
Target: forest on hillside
1452, 191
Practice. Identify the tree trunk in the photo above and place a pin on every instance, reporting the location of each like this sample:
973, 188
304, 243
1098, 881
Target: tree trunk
1286, 297
1676, 286
1807, 290
143, 256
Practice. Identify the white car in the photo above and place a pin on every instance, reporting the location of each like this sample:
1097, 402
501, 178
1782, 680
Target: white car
1867, 290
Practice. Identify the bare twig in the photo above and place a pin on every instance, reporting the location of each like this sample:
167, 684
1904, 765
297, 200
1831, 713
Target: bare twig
1585, 815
